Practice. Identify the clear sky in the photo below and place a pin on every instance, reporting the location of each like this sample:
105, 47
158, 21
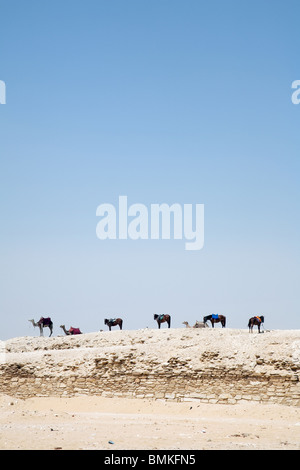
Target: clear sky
164, 101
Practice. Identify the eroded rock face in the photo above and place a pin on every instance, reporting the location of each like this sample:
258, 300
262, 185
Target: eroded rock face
213, 366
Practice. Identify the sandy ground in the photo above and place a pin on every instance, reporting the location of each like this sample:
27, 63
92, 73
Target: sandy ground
114, 424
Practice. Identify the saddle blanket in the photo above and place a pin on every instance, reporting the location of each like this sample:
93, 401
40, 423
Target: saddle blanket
44, 321
75, 331
215, 317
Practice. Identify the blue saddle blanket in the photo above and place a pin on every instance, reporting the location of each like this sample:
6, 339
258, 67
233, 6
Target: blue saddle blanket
215, 317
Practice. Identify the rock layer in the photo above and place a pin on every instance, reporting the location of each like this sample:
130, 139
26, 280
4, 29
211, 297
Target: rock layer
206, 365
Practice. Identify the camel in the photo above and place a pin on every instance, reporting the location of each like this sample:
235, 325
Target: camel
198, 324
71, 331
42, 323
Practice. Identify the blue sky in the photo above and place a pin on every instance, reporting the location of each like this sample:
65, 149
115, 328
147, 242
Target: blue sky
162, 101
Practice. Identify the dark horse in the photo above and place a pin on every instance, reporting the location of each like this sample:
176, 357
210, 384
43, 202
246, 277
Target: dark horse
215, 319
113, 322
255, 321
162, 318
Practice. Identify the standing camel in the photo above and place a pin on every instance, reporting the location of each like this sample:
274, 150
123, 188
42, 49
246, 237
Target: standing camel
42, 323
71, 331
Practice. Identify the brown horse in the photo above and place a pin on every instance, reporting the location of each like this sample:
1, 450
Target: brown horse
113, 322
255, 321
162, 318
215, 319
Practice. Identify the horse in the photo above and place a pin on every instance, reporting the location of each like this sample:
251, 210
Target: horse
255, 321
113, 322
215, 319
162, 318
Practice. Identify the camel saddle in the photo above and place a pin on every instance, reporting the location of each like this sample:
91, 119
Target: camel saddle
75, 331
44, 321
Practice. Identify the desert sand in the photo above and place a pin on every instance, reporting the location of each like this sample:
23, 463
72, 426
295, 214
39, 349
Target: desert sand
113, 424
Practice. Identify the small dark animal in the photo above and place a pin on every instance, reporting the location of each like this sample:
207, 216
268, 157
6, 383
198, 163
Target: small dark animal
215, 319
113, 322
162, 318
255, 321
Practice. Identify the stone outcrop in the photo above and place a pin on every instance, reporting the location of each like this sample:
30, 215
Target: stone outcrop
208, 365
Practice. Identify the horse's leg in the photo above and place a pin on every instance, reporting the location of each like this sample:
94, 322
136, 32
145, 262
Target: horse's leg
158, 325
212, 323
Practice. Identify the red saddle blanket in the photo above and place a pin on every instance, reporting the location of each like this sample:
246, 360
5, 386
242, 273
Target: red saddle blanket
75, 331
